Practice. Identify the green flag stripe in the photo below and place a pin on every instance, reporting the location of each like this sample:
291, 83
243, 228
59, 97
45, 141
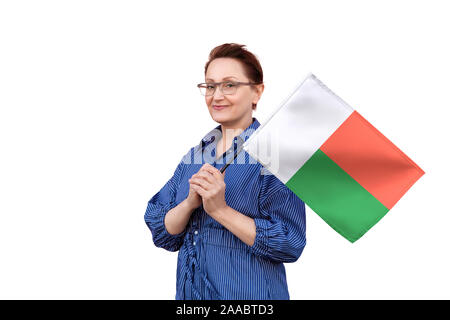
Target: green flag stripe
336, 197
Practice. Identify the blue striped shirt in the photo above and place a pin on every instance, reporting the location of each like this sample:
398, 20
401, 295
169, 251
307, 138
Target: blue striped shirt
212, 262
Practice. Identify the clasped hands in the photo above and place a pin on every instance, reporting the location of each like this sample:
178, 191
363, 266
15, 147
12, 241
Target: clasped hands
207, 186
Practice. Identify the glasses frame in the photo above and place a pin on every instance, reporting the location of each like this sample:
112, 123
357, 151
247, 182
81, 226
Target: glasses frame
237, 83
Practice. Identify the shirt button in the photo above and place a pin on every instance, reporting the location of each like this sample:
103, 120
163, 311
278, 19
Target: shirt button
194, 243
195, 232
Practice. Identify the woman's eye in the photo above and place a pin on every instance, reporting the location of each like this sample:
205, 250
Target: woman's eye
209, 87
230, 85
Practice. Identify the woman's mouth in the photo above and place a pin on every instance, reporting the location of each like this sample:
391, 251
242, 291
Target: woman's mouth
219, 107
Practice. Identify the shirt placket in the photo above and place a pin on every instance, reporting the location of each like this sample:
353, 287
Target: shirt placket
195, 242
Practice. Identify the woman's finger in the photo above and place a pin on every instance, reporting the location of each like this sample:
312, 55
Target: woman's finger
201, 182
198, 189
208, 176
214, 171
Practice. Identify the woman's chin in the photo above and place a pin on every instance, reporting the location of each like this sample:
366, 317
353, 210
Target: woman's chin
220, 116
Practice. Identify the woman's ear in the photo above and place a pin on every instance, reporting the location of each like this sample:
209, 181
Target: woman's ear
259, 91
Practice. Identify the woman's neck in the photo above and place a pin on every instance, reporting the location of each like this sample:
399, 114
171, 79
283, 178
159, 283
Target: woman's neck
229, 131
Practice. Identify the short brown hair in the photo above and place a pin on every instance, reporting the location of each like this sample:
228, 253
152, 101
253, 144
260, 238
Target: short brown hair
252, 67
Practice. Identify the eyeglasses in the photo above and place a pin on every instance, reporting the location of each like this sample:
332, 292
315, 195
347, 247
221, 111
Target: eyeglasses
226, 87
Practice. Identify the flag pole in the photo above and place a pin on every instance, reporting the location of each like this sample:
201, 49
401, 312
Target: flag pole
230, 161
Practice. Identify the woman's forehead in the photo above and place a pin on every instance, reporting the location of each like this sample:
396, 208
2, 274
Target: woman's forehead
223, 79
224, 69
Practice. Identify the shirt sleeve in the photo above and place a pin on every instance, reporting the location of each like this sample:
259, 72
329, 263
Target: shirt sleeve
281, 231
157, 208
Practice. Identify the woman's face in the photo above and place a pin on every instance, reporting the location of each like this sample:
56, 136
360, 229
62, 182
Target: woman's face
238, 105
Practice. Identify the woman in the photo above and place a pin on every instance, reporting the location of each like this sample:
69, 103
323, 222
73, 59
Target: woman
233, 230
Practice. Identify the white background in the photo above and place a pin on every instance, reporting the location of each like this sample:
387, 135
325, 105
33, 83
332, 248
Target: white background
98, 103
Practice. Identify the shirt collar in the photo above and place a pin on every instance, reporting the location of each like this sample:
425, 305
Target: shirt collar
216, 133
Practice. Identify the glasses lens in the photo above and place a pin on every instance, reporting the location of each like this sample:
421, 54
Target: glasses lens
207, 89
229, 88
210, 88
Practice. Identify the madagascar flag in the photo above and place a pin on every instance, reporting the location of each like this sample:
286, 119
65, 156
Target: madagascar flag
333, 159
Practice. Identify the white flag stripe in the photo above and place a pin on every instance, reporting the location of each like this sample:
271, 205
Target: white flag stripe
302, 124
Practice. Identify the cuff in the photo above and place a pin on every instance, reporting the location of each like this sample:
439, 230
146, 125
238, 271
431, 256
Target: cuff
266, 234
161, 237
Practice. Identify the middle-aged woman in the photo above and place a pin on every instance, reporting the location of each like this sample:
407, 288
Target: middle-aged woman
233, 230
